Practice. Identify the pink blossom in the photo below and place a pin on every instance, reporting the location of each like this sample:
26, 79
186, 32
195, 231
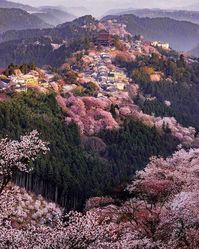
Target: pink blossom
16, 154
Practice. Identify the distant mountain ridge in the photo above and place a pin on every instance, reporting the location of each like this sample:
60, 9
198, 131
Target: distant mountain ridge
67, 30
54, 16
181, 15
36, 45
9, 4
17, 19
182, 35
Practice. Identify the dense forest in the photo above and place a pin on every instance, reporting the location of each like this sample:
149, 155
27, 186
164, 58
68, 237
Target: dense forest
71, 172
35, 45
179, 86
38, 51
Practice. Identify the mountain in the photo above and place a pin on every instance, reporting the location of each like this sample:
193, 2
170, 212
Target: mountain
181, 35
17, 19
80, 22
9, 4
181, 15
64, 31
54, 16
37, 45
89, 137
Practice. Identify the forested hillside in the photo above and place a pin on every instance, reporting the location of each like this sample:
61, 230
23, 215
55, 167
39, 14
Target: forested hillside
36, 45
181, 35
69, 174
17, 19
38, 51
179, 86
91, 113
64, 31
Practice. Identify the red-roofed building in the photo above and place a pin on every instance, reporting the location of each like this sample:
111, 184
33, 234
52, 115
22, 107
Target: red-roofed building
104, 38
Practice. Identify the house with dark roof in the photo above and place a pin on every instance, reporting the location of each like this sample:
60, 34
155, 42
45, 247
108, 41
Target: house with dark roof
104, 38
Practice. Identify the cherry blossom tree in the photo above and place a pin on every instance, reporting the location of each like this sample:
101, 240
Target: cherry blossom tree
90, 114
17, 155
161, 213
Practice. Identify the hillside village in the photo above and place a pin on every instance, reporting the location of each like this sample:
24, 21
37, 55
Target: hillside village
94, 74
97, 67
101, 150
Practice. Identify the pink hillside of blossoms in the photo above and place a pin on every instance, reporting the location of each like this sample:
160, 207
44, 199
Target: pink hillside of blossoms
162, 214
94, 114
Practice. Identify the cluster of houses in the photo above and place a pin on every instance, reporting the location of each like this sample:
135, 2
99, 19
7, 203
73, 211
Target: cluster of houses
19, 82
97, 66
163, 45
115, 28
101, 71
100, 68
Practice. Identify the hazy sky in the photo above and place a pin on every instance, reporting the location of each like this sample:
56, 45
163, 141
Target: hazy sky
104, 5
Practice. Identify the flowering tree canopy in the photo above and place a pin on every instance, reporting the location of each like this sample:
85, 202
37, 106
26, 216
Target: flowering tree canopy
17, 155
94, 114
163, 213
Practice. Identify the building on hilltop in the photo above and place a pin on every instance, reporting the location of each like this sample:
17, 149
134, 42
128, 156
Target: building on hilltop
104, 38
162, 45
